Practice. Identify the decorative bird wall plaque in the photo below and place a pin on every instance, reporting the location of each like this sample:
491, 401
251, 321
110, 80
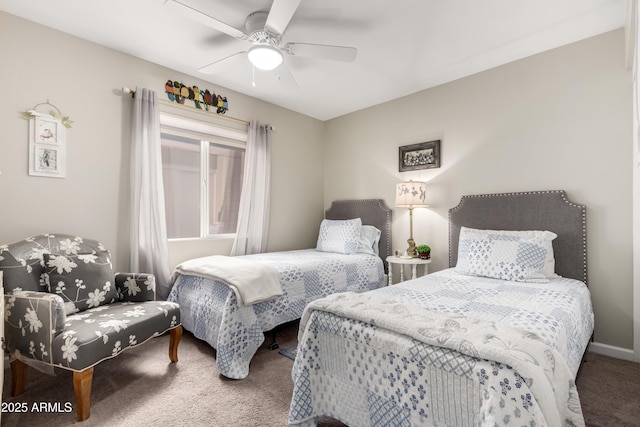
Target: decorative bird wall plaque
202, 99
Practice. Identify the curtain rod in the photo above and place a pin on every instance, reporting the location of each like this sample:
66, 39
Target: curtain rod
175, 104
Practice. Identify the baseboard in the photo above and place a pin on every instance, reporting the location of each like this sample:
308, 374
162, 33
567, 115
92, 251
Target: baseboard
612, 351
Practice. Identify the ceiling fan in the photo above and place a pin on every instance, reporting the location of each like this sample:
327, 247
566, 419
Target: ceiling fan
264, 31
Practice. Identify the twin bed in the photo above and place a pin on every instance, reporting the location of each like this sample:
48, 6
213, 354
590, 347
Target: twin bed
214, 309
496, 339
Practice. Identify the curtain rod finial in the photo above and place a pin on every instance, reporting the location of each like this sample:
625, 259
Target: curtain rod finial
129, 91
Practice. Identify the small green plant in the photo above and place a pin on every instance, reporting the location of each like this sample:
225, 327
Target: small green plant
423, 248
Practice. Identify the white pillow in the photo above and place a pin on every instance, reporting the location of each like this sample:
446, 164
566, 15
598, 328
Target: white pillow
369, 239
341, 236
520, 256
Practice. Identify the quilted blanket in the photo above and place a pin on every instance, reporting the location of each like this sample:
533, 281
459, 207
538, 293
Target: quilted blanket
210, 309
444, 349
543, 368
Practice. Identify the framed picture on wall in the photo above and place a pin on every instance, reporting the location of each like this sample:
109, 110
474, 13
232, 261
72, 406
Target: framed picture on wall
46, 130
425, 155
46, 147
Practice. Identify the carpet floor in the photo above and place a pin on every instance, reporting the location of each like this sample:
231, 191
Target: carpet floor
141, 388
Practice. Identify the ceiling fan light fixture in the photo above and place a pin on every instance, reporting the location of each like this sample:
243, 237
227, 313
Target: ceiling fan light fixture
265, 57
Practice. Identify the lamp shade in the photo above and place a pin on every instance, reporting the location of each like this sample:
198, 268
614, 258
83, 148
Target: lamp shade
411, 194
265, 57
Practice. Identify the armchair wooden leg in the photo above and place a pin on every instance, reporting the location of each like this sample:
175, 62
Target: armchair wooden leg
82, 386
176, 334
18, 377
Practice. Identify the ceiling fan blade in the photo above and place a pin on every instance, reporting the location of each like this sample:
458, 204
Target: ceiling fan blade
213, 67
322, 51
203, 18
280, 15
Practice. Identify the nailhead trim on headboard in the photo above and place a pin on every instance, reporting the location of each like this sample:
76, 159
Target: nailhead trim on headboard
562, 195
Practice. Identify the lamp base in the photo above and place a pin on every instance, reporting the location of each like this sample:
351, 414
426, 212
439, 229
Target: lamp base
411, 250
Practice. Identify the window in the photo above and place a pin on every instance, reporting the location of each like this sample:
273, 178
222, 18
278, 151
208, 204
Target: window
202, 168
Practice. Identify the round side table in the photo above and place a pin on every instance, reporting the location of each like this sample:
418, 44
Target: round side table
413, 262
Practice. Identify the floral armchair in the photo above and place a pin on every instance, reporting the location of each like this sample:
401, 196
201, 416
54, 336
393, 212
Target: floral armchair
65, 308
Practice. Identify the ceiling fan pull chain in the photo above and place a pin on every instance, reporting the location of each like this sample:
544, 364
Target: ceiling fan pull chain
253, 75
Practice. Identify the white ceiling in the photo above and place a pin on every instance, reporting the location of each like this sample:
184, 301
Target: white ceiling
403, 46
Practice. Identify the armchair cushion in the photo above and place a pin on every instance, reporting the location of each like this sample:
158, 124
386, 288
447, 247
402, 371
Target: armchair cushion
82, 280
103, 332
37, 329
136, 286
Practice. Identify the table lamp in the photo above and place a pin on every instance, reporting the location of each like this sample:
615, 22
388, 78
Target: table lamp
411, 194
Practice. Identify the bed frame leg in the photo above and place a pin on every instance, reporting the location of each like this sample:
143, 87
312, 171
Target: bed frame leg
274, 344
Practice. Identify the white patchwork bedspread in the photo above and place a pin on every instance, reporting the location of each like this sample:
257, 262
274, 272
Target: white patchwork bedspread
209, 308
444, 349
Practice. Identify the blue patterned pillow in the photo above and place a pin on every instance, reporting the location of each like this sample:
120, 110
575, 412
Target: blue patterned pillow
519, 256
369, 240
341, 236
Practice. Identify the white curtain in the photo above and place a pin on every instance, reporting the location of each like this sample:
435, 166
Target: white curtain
253, 214
149, 251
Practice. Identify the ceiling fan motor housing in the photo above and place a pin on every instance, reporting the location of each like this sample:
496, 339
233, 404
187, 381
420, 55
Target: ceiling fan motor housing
257, 33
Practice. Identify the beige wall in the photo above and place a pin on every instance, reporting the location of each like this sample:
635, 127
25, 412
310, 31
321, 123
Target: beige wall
84, 80
558, 120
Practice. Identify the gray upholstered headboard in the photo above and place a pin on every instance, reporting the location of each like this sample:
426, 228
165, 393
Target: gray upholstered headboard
372, 212
537, 210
